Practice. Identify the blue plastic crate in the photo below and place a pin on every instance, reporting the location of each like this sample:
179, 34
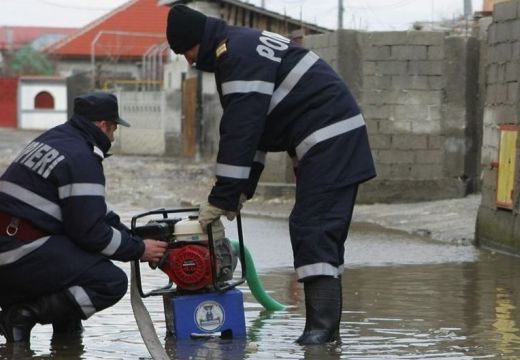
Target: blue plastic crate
205, 314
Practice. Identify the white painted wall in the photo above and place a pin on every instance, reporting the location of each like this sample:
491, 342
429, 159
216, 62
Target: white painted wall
173, 75
66, 68
41, 119
145, 113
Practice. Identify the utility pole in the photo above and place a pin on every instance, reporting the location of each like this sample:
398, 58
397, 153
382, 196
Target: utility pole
467, 8
341, 9
263, 4
467, 14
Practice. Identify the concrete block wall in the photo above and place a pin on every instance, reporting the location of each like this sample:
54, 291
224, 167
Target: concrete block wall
496, 227
417, 91
402, 100
279, 166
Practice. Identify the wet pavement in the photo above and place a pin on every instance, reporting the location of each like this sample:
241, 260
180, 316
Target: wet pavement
404, 297
414, 287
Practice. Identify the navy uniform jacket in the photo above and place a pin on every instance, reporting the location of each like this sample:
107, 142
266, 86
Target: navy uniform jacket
277, 96
57, 183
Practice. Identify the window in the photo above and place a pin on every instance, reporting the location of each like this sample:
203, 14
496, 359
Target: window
44, 100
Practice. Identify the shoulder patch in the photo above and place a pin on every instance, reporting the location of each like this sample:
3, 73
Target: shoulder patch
221, 49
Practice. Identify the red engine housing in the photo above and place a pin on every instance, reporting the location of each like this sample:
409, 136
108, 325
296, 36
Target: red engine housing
189, 267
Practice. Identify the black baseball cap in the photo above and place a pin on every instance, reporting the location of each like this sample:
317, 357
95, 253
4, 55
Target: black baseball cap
97, 106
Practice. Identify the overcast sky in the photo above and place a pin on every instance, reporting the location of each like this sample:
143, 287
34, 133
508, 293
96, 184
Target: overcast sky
374, 15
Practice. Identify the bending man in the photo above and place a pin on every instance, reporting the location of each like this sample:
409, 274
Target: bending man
278, 96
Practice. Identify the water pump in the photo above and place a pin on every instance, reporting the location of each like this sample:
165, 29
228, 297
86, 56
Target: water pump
201, 265
205, 301
188, 261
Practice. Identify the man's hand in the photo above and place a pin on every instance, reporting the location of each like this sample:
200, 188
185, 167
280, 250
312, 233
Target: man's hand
209, 213
153, 250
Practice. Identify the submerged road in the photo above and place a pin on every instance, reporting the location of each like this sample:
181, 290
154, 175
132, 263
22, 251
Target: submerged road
414, 287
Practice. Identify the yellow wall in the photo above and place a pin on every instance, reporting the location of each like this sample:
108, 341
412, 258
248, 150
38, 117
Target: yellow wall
506, 166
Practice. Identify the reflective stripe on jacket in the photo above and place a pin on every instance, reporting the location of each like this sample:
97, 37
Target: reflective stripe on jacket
57, 182
276, 96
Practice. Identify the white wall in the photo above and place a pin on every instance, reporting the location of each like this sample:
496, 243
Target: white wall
173, 75
68, 68
145, 113
41, 119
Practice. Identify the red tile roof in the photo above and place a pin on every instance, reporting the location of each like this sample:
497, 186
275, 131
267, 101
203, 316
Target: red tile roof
15, 37
41, 78
127, 32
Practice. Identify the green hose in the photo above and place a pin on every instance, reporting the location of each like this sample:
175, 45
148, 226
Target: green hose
254, 283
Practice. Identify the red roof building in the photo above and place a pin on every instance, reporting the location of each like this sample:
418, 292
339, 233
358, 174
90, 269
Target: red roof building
126, 33
13, 38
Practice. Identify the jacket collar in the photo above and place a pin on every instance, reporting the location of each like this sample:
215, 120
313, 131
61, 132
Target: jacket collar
215, 32
99, 141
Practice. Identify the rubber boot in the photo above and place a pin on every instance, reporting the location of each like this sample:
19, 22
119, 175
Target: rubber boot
67, 343
17, 322
323, 302
71, 326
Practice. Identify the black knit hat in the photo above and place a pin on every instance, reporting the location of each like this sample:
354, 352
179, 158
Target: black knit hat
185, 28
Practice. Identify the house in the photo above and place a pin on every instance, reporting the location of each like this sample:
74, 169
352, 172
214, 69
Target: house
30, 102
240, 13
126, 52
127, 48
124, 48
13, 38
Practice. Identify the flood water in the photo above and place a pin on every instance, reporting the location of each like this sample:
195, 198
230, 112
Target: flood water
404, 297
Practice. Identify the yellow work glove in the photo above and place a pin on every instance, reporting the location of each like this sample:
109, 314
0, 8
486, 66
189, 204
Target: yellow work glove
209, 213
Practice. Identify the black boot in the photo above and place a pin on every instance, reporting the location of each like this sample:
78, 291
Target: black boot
17, 322
323, 302
71, 326
67, 346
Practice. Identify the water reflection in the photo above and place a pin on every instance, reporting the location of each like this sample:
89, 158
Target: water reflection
412, 307
204, 349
